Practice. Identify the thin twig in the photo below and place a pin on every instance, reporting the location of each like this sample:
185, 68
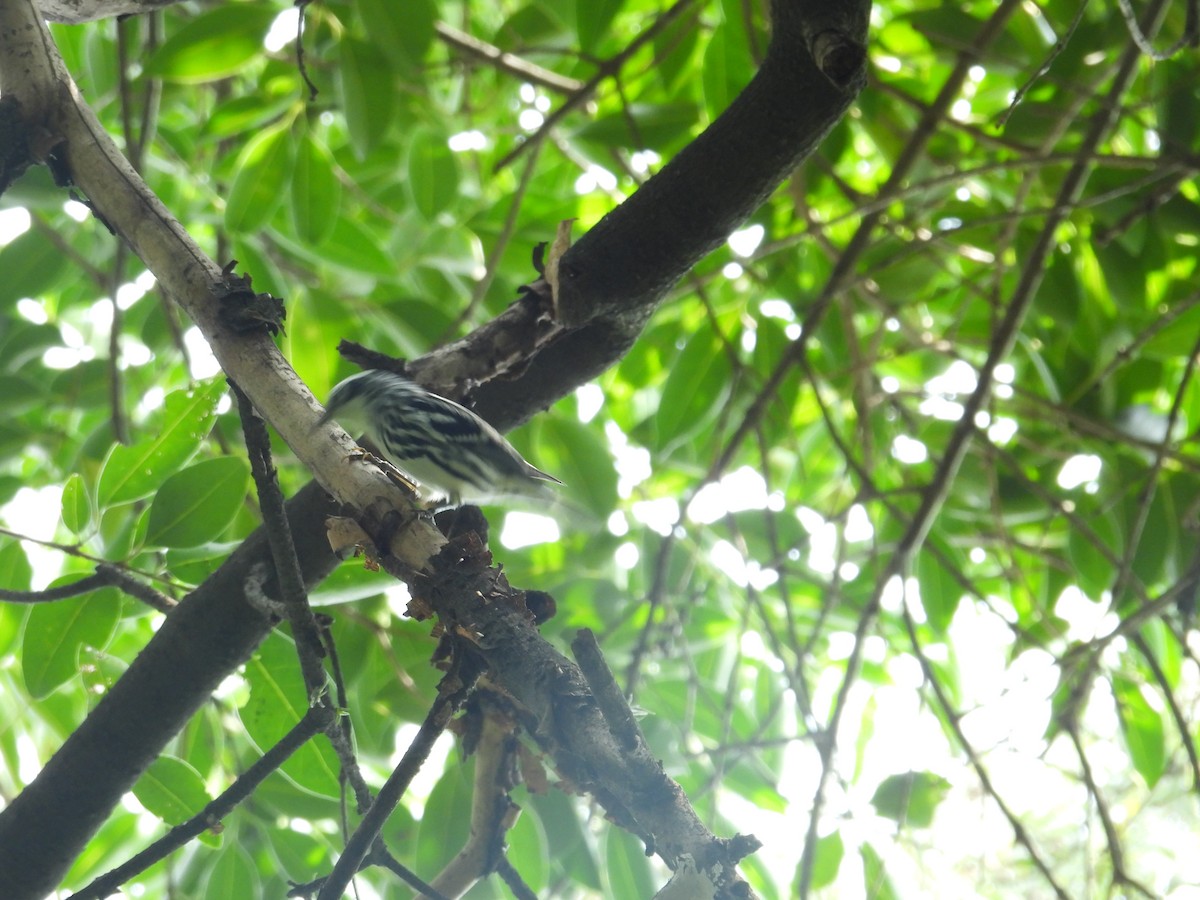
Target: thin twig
106, 575
492, 263
1190, 36
212, 814
608, 68
453, 694
506, 62
1060, 44
952, 719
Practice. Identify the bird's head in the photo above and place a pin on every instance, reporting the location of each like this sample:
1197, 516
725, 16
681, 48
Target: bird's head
349, 402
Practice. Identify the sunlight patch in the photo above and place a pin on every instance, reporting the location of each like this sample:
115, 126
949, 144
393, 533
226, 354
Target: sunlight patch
1082, 469
526, 529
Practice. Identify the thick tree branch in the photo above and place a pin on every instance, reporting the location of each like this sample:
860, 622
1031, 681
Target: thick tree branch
75, 11
619, 272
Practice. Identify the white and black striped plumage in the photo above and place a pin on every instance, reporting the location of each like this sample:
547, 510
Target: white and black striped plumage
438, 443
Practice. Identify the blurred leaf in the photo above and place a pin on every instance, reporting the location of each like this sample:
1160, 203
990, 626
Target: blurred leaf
15, 571
405, 30
197, 504
242, 115
216, 44
592, 18
1157, 544
1177, 338
954, 29
353, 247
136, 471
30, 264
367, 101
528, 852
583, 464
674, 48
316, 192
875, 875
432, 173
910, 799
441, 836
727, 68
827, 860
278, 700
172, 790
1126, 279
1091, 563
626, 866
652, 127
264, 168
940, 591
56, 631
695, 389
233, 874
1143, 729
76, 505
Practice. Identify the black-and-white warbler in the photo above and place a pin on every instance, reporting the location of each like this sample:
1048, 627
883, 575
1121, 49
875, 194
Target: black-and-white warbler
438, 443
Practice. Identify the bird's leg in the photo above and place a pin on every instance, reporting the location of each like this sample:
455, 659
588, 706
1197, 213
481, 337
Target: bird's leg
393, 474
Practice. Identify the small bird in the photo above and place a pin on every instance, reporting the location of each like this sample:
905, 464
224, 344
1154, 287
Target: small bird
438, 443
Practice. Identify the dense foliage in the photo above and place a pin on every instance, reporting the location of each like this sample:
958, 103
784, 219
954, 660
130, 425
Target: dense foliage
889, 523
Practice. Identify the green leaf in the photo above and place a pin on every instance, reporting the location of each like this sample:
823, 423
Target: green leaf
367, 101
264, 167
654, 127
1092, 567
353, 247
1177, 103
675, 47
1143, 729
827, 860
15, 575
1158, 538
234, 874
172, 790
910, 798
197, 504
627, 868
727, 68
56, 631
1176, 339
316, 193
278, 700
695, 389
878, 883
528, 852
950, 27
940, 591
439, 837
15, 571
244, 115
131, 473
31, 263
1123, 274
76, 505
592, 18
405, 31
582, 462
432, 173
215, 44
